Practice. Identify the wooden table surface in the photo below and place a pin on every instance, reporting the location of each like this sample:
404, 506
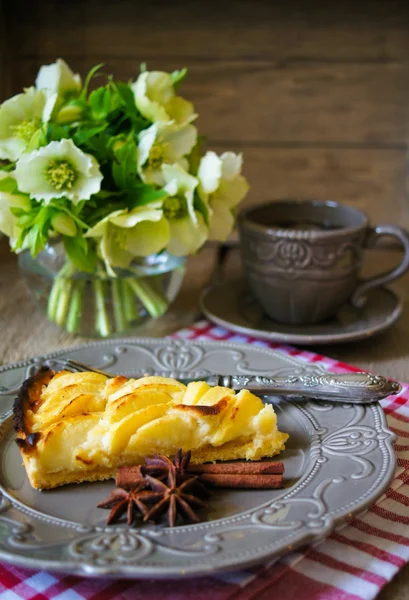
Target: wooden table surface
26, 332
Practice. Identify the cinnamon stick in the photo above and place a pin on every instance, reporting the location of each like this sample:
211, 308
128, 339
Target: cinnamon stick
255, 475
242, 467
128, 477
249, 481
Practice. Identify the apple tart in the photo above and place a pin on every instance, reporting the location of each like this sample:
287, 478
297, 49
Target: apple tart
75, 427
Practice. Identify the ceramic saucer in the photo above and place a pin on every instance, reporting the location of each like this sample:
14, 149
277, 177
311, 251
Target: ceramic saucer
231, 305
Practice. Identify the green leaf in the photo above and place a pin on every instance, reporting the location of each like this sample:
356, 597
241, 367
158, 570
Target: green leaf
72, 215
126, 94
17, 212
26, 220
6, 166
81, 253
38, 139
56, 132
124, 168
144, 193
8, 184
82, 135
36, 240
177, 77
98, 145
127, 98
200, 205
20, 240
103, 101
88, 78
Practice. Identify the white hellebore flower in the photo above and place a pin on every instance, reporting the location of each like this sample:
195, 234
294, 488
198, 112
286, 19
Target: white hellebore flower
188, 230
58, 170
126, 234
164, 143
20, 118
8, 222
58, 78
222, 187
156, 100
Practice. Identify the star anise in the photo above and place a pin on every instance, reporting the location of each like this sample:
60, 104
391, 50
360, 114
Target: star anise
132, 503
160, 466
174, 498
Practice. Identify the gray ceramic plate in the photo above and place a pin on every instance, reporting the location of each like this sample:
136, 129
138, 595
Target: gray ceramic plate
231, 305
339, 459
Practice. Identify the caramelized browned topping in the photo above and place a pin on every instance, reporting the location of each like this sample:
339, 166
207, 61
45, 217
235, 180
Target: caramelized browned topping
213, 409
29, 398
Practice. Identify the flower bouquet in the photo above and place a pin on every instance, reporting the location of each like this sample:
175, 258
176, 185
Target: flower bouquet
112, 187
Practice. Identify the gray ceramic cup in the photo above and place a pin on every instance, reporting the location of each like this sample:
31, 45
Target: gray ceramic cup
302, 258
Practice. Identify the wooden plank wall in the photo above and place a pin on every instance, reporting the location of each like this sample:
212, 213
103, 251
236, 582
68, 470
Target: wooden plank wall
316, 96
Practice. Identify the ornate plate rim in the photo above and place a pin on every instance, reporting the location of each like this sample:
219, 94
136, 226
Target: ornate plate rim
144, 571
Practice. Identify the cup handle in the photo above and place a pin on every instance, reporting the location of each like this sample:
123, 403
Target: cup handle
359, 296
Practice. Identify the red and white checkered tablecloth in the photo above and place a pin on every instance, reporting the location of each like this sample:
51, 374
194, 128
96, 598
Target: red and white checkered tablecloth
352, 564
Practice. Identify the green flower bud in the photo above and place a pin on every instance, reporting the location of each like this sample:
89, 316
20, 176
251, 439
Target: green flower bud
118, 144
64, 224
70, 113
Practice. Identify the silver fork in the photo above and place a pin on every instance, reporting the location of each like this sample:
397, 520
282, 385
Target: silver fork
356, 388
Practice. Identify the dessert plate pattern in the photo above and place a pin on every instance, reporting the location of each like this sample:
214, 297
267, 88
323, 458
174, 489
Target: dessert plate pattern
338, 460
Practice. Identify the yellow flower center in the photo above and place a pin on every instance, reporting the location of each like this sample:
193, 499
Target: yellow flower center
157, 154
175, 207
26, 129
61, 174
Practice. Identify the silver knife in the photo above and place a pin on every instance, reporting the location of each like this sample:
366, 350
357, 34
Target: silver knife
356, 388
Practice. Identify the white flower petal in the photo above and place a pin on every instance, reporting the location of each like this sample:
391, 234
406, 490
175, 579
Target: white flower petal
171, 187
153, 176
231, 192
180, 110
11, 148
180, 141
221, 222
25, 108
99, 229
231, 165
210, 172
58, 78
186, 237
147, 99
113, 254
146, 140
142, 213
159, 86
49, 107
8, 222
185, 182
155, 99
31, 172
148, 237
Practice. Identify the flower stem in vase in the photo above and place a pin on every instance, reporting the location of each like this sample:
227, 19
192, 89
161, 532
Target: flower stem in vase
63, 300
102, 323
53, 299
118, 305
56, 290
129, 303
76, 304
154, 302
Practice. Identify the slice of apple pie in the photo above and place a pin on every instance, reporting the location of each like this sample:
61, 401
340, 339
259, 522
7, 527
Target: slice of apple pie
74, 427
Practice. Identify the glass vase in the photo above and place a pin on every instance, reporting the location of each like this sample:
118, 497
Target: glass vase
101, 305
